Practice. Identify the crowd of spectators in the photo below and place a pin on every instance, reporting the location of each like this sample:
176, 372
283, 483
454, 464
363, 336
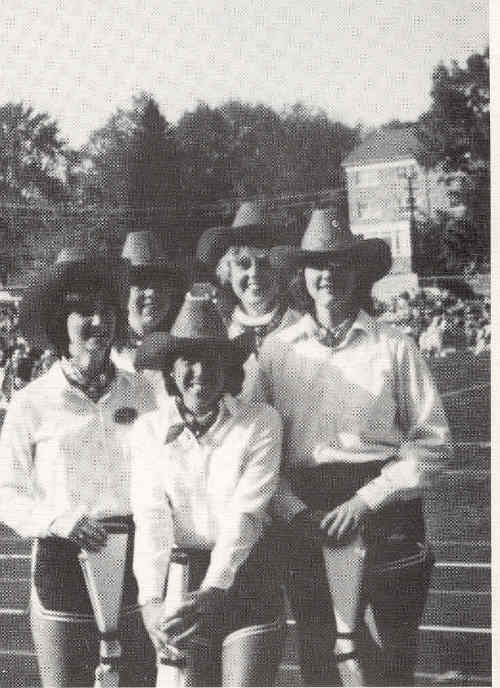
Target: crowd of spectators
19, 361
441, 322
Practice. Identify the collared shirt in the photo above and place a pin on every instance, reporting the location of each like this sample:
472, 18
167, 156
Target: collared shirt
63, 455
209, 493
371, 398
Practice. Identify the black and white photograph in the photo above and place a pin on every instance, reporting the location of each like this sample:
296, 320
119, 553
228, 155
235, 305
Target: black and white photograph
245, 343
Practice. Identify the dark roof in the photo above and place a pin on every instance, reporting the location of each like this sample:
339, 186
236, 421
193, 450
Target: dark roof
384, 145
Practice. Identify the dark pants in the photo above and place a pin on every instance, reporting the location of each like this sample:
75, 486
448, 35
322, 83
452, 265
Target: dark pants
395, 586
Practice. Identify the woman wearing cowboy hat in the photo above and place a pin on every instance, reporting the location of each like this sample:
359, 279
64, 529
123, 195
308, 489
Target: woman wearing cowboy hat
156, 288
64, 470
364, 429
205, 466
252, 294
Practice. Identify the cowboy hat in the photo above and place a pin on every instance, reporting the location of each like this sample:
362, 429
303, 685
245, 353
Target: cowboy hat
145, 258
328, 239
249, 228
197, 329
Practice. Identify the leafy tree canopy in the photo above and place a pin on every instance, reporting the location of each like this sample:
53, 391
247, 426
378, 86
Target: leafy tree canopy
32, 162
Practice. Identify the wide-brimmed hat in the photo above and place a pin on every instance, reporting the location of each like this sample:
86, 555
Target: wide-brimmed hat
144, 255
328, 239
198, 328
62, 284
250, 227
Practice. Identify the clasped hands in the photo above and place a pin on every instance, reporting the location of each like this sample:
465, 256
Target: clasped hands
334, 526
175, 629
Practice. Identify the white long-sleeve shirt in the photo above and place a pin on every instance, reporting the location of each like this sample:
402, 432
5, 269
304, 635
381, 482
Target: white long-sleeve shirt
63, 455
370, 399
210, 492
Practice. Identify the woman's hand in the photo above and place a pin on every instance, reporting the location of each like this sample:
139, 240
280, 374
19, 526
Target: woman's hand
201, 609
152, 613
345, 519
88, 533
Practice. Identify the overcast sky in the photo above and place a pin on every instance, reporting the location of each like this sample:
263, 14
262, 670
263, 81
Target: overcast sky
360, 60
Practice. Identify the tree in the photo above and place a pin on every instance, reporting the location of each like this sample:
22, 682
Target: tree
153, 173
203, 137
31, 155
455, 132
315, 147
239, 150
104, 159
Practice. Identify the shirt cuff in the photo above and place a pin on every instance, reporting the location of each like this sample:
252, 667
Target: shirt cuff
62, 525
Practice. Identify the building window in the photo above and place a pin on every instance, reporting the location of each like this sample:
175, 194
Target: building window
406, 171
455, 199
367, 210
366, 178
361, 208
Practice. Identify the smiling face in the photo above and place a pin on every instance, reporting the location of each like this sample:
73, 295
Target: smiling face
253, 280
200, 381
91, 325
333, 287
150, 299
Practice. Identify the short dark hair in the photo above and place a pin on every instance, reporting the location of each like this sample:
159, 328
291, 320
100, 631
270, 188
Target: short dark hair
233, 382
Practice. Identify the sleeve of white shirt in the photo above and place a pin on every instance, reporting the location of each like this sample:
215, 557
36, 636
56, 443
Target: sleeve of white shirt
285, 504
20, 507
426, 445
152, 516
244, 520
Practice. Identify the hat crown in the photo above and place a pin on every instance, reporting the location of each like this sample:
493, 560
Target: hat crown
325, 232
142, 248
198, 319
249, 213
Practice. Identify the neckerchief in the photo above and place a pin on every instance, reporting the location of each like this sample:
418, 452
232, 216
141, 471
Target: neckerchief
260, 327
94, 387
333, 337
197, 427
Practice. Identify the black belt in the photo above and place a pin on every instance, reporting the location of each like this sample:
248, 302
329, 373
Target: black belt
58, 577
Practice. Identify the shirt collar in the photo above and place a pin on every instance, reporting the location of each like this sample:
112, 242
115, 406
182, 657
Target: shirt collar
60, 383
227, 408
362, 323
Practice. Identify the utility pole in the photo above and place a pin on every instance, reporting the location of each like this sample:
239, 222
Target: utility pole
410, 176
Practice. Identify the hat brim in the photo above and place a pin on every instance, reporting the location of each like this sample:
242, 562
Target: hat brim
216, 241
372, 257
168, 271
159, 349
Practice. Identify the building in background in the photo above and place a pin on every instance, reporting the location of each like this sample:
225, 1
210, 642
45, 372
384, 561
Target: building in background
388, 192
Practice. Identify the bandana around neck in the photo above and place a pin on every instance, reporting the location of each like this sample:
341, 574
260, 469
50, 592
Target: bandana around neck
93, 387
197, 426
335, 336
258, 326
